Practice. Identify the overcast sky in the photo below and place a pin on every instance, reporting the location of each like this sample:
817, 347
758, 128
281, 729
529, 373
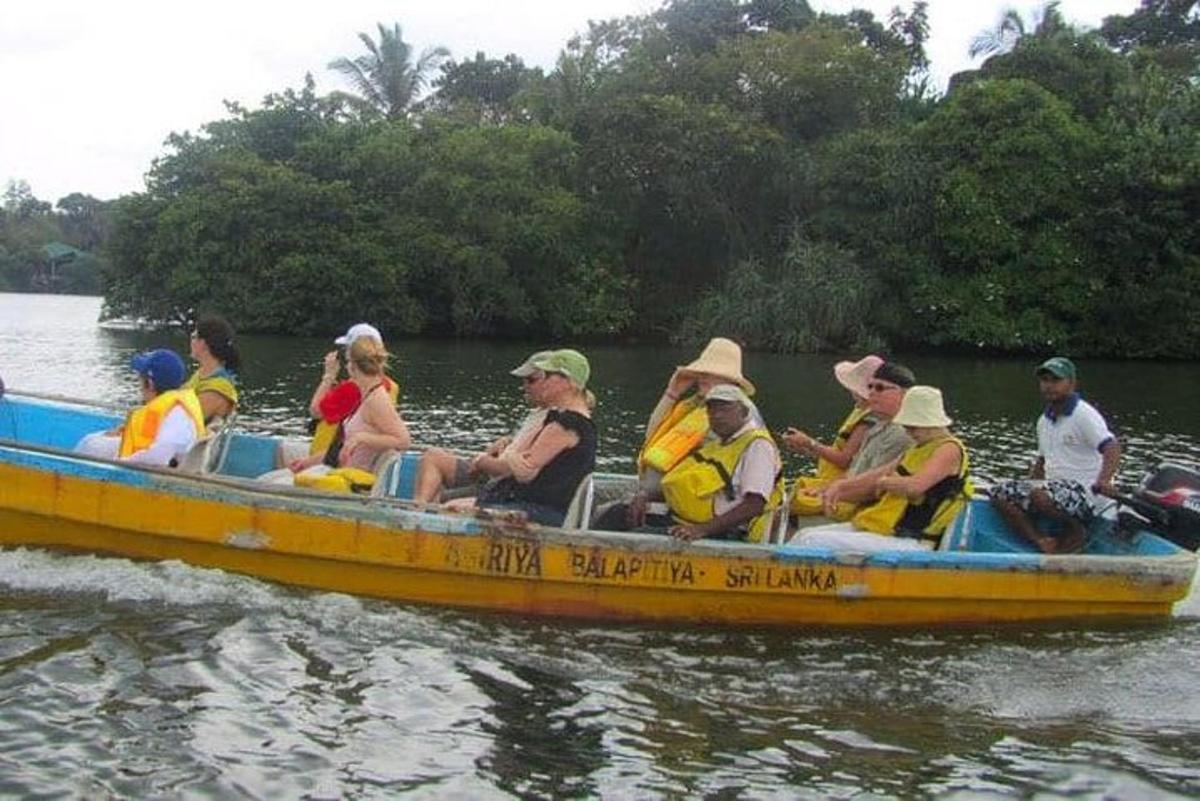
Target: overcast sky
91, 89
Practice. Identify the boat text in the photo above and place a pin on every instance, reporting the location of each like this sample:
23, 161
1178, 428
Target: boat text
780, 578
619, 567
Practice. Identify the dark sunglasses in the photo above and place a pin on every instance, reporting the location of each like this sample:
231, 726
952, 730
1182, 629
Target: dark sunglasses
876, 386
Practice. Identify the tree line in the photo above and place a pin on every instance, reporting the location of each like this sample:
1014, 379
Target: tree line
753, 168
46, 248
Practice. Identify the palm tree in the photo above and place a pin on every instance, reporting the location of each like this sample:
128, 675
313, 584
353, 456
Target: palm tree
385, 78
1011, 29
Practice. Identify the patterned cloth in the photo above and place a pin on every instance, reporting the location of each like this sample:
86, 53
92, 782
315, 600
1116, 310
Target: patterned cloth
1070, 496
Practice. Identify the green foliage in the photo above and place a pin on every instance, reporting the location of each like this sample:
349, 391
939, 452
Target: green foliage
744, 166
386, 78
817, 297
28, 225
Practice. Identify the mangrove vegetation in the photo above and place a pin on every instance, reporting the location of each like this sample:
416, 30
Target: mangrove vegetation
754, 168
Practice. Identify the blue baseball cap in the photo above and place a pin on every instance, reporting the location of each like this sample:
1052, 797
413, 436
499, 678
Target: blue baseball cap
162, 366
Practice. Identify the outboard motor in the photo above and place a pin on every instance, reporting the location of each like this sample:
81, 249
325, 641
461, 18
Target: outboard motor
1169, 503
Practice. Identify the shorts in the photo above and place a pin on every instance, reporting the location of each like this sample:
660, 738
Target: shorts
1070, 496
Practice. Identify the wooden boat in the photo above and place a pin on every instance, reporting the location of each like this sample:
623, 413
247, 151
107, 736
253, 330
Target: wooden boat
386, 547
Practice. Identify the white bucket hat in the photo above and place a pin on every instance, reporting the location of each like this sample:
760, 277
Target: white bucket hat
854, 376
723, 358
922, 408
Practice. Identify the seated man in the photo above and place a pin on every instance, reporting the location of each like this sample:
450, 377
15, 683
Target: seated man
918, 494
883, 444
725, 489
163, 429
442, 473
1077, 457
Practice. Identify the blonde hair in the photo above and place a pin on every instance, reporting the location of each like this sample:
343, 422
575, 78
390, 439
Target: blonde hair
368, 355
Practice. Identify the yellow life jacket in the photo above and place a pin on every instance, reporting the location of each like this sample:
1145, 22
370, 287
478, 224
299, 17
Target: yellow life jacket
927, 516
143, 422
692, 486
220, 382
343, 479
804, 505
828, 470
324, 432
680, 432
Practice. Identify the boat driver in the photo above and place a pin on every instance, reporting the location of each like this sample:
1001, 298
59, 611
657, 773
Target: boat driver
1077, 458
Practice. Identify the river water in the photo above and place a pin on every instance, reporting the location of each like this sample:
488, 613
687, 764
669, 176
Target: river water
136, 680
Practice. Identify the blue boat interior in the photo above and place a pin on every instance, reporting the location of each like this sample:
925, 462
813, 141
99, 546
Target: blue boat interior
979, 531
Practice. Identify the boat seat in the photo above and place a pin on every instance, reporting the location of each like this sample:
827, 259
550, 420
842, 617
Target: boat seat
209, 453
579, 512
395, 474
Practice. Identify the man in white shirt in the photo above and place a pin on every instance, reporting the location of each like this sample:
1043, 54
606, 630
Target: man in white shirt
729, 479
1077, 459
163, 429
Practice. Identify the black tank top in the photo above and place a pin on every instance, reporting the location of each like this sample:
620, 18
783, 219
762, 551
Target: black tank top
555, 484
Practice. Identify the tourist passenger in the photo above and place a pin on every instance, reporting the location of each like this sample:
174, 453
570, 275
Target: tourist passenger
441, 472
540, 476
726, 489
834, 459
918, 494
882, 444
333, 400
374, 425
218, 359
164, 428
1077, 459
679, 423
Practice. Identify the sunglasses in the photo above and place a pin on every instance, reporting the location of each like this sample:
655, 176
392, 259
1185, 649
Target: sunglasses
876, 386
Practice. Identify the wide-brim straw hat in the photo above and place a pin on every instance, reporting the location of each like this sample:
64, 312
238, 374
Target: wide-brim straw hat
922, 407
855, 376
723, 358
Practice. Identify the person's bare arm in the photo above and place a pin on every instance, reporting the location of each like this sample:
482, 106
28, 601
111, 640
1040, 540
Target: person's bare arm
1111, 461
1038, 470
525, 465
328, 379
214, 404
388, 428
751, 507
944, 462
857, 489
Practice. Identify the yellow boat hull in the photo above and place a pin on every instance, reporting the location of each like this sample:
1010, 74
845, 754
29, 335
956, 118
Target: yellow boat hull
403, 553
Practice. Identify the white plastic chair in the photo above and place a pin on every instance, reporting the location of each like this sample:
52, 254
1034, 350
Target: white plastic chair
579, 513
387, 471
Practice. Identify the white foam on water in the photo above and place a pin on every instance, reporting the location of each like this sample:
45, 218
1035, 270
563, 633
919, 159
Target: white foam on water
117, 580
1190, 605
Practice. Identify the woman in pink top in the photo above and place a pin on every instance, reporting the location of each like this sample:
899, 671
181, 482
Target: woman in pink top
375, 426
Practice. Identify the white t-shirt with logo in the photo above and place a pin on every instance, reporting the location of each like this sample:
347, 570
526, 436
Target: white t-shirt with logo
1071, 443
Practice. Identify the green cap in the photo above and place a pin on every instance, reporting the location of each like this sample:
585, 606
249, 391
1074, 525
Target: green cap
571, 363
528, 367
1057, 366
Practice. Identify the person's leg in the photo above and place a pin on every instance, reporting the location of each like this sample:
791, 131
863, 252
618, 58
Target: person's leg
99, 446
611, 517
844, 537
436, 470
1010, 499
1069, 504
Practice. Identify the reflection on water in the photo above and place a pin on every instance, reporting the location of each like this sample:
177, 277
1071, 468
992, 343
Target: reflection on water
133, 680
